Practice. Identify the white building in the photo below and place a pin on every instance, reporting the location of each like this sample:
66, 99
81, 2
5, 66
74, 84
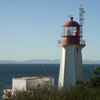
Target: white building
28, 83
71, 57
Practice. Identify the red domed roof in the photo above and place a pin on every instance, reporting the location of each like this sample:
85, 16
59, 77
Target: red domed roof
71, 23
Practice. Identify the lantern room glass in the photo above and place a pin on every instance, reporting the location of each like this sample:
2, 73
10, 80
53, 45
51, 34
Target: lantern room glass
69, 31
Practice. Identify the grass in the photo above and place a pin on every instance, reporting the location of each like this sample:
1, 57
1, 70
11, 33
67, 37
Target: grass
79, 92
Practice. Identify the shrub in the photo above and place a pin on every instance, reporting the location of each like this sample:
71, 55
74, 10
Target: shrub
94, 80
76, 93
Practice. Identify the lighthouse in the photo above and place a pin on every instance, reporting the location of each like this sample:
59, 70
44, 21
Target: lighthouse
71, 55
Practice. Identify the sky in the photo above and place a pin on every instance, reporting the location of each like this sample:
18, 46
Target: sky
29, 29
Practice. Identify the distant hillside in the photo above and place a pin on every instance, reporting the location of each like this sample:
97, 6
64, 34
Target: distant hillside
43, 61
34, 61
91, 62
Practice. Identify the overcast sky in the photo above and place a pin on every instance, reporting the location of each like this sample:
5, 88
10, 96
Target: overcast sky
29, 29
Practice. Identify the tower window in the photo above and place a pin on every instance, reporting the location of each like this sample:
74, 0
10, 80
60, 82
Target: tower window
77, 50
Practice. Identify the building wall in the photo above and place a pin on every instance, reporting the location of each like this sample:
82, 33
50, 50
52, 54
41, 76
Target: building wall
39, 83
28, 84
18, 84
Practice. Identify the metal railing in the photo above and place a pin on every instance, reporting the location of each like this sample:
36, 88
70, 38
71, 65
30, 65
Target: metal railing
82, 42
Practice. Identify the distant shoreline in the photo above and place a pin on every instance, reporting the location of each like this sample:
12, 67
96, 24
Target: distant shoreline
36, 64
43, 61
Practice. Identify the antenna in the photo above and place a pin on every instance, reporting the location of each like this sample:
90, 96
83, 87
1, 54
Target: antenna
81, 18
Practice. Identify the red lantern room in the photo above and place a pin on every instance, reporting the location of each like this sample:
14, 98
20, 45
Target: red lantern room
71, 32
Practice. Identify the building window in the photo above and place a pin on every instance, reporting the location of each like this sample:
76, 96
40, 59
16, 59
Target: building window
77, 50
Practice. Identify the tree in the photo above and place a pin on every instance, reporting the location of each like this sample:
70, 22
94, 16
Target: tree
94, 80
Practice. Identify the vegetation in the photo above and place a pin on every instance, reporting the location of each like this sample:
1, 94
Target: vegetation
94, 80
89, 90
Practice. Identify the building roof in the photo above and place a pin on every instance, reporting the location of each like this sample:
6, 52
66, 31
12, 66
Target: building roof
71, 23
32, 78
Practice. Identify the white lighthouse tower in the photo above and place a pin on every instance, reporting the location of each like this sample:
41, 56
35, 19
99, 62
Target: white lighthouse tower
71, 57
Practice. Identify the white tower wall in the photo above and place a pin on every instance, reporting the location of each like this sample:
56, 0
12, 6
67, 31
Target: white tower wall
70, 66
78, 63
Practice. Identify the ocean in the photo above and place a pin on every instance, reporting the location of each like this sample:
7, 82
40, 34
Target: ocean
9, 71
